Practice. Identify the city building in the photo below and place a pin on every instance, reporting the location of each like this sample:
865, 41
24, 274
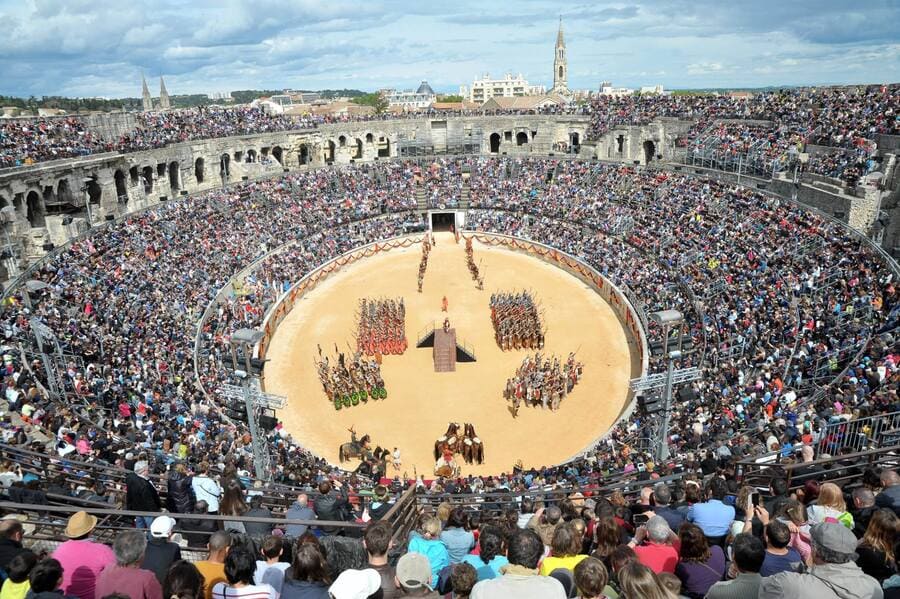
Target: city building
560, 65
423, 97
486, 88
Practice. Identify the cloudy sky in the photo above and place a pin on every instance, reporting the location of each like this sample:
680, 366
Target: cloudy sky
101, 47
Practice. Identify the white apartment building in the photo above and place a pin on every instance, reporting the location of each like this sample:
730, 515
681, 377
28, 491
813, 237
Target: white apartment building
486, 88
411, 100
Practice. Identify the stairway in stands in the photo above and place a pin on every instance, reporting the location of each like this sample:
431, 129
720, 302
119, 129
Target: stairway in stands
421, 199
465, 196
444, 352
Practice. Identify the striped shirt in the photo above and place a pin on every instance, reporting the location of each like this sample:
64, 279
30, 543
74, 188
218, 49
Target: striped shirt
251, 591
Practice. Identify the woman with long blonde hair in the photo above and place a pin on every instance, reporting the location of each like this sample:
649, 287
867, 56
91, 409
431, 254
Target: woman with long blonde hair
637, 581
830, 507
876, 548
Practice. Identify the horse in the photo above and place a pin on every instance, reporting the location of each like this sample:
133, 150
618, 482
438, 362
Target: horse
354, 449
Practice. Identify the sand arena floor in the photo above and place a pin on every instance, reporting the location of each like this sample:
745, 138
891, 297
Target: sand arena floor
421, 402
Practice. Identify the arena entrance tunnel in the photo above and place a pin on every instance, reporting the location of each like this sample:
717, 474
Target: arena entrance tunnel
442, 221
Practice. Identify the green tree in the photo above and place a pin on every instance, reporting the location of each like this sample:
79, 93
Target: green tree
451, 98
375, 100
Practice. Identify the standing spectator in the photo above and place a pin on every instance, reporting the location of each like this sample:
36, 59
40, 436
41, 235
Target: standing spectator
183, 581
234, 505
213, 567
779, 556
780, 492
377, 541
239, 568
544, 523
637, 581
526, 511
270, 569
161, 552
140, 494
490, 558
662, 497
355, 584
11, 534
258, 530
833, 573
520, 578
179, 490
565, 550
653, 545
427, 542
45, 580
700, 565
830, 507
456, 537
16, 586
126, 576
206, 489
309, 577
197, 530
329, 506
414, 576
299, 510
748, 559
81, 558
713, 517
876, 548
381, 503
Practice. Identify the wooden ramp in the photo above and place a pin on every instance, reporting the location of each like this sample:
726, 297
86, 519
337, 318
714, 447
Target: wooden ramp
444, 351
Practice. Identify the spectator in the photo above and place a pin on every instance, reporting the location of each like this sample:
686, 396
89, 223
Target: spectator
592, 579
197, 530
206, 489
526, 511
11, 534
862, 510
270, 570
700, 565
876, 548
239, 568
490, 558
833, 574
308, 577
299, 510
779, 490
889, 496
713, 517
427, 542
544, 523
126, 576
16, 586
462, 579
161, 552
830, 507
653, 545
213, 567
377, 541
258, 530
183, 581
748, 559
671, 583
565, 550
355, 584
607, 536
140, 494
779, 556
179, 490
456, 537
662, 497
381, 502
335, 508
234, 505
520, 578
414, 576
45, 580
82, 559
638, 581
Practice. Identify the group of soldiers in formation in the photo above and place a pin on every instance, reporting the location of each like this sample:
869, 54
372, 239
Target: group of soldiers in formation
355, 379
517, 321
381, 327
543, 381
473, 268
423, 263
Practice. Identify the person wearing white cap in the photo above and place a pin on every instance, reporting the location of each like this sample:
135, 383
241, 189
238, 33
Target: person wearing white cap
161, 552
355, 584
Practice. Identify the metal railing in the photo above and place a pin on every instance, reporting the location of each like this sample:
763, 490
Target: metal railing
858, 435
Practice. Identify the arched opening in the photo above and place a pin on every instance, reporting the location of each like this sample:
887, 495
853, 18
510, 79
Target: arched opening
342, 141
304, 155
384, 151
560, 72
224, 166
63, 192
329, 152
93, 190
620, 141
34, 209
251, 156
521, 138
199, 173
574, 139
369, 138
495, 143
358, 151
238, 156
49, 195
133, 175
173, 176
649, 151
277, 153
121, 188
147, 176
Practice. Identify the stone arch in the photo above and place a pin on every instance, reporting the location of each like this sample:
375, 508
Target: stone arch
121, 187
521, 138
369, 138
133, 175
329, 151
278, 154
574, 139
93, 190
3, 201
342, 140
174, 183
49, 195
199, 169
358, 150
224, 166
303, 155
560, 72
495, 143
238, 156
34, 209
649, 151
384, 151
251, 155
147, 174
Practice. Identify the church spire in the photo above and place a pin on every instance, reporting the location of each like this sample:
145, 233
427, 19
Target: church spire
164, 103
560, 42
146, 99
560, 64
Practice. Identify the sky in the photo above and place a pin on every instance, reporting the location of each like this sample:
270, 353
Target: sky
101, 47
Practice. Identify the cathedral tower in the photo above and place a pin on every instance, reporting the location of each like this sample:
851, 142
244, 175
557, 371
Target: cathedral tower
164, 103
560, 66
146, 99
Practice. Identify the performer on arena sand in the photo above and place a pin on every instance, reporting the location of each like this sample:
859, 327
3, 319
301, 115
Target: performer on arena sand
446, 325
444, 304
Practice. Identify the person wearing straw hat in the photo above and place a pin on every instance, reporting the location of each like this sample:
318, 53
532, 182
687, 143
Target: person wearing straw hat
81, 558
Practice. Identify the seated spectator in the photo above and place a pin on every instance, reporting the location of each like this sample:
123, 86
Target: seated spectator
526, 511
183, 581
239, 568
381, 502
592, 579
270, 569
748, 559
356, 584
308, 577
671, 583
426, 541
490, 558
653, 545
81, 558
16, 586
462, 579
862, 510
377, 541
161, 552
258, 530
206, 488
11, 534
565, 550
126, 576
197, 530
456, 537
713, 517
830, 507
520, 577
638, 581
299, 510
544, 523
662, 497
889, 496
700, 565
780, 492
607, 536
779, 556
876, 548
46, 579
833, 573
414, 576
213, 567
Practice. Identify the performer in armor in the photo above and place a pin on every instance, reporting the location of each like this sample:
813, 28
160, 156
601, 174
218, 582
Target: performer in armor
517, 321
544, 382
381, 327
